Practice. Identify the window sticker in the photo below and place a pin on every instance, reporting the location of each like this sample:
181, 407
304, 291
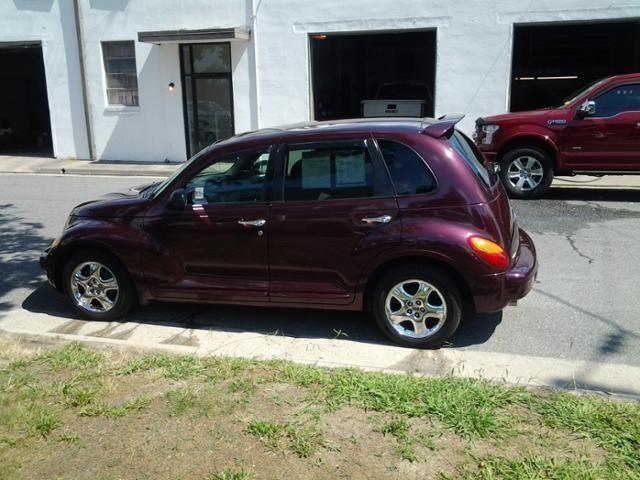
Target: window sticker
350, 171
316, 170
198, 194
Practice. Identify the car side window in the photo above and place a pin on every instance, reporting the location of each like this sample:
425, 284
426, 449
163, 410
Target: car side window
237, 178
332, 171
409, 174
623, 98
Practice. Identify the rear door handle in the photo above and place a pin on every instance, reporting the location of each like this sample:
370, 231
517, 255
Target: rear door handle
260, 222
374, 220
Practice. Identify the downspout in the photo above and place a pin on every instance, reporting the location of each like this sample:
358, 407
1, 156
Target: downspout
253, 18
83, 77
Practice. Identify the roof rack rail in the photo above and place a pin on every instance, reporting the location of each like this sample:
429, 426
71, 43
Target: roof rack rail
443, 127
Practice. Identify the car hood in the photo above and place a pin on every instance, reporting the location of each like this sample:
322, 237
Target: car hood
517, 116
126, 203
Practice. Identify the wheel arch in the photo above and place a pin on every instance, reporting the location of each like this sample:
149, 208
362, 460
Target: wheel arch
394, 263
534, 141
63, 256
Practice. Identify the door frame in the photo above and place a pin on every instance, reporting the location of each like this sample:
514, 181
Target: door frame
194, 76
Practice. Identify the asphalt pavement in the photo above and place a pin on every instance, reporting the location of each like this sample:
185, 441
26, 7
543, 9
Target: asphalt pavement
585, 305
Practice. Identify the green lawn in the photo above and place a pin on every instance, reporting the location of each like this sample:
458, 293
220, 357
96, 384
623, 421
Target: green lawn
68, 411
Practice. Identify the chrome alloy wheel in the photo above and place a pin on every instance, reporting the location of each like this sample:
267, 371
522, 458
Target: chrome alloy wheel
94, 287
525, 173
415, 309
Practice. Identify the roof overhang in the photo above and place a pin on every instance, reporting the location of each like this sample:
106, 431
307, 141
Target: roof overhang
206, 35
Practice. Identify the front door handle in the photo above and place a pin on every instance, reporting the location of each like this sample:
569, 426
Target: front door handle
261, 222
380, 219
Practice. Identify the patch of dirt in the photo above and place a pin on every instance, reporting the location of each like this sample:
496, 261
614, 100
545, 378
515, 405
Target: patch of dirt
212, 435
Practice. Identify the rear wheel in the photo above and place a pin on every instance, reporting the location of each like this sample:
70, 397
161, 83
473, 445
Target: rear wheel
417, 306
98, 286
526, 172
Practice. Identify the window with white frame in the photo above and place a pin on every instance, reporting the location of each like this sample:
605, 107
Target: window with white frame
120, 72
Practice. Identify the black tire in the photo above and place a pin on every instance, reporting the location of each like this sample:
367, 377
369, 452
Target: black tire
123, 301
445, 286
508, 161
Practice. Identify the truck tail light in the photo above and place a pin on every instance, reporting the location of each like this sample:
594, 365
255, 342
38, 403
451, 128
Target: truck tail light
490, 252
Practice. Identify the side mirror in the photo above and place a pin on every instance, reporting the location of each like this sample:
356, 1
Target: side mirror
177, 200
587, 109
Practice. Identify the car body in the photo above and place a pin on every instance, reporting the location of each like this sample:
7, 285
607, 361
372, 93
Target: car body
596, 132
319, 216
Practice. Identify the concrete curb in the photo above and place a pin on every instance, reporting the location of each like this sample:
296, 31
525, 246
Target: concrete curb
623, 380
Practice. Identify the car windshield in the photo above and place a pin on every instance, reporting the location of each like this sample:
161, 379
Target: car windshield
161, 186
587, 88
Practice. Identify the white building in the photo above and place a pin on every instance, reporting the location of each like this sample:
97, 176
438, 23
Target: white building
154, 80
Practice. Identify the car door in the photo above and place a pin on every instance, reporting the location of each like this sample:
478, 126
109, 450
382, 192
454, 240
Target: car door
335, 213
610, 138
215, 246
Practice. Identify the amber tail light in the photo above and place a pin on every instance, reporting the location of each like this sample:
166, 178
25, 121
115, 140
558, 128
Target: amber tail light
490, 252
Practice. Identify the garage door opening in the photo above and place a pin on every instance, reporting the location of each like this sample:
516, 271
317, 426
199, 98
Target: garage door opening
25, 127
348, 69
552, 61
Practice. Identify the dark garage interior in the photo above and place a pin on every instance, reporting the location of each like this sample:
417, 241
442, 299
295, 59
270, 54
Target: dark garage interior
25, 127
349, 68
552, 61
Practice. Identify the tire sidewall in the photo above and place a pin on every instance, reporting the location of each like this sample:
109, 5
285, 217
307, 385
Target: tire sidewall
126, 292
545, 162
445, 285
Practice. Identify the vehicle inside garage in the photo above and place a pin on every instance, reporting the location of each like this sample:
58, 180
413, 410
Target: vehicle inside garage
25, 127
348, 69
552, 61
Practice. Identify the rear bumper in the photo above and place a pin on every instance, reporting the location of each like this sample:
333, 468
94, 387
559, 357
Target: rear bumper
492, 293
520, 278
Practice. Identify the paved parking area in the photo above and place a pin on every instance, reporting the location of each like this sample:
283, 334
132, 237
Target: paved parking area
584, 308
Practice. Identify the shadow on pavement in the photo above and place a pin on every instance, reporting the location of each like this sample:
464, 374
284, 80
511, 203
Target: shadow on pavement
297, 323
592, 194
21, 242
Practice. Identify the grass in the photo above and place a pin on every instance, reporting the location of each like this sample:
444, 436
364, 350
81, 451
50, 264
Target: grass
229, 474
174, 368
72, 412
42, 420
72, 355
469, 407
116, 411
303, 439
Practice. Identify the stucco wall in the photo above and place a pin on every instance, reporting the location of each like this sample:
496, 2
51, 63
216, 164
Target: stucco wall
52, 23
474, 41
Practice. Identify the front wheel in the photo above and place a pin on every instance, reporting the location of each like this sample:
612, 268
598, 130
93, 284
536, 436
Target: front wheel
526, 172
417, 306
98, 286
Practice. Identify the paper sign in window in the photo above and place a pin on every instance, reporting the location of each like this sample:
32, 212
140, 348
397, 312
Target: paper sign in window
316, 170
350, 171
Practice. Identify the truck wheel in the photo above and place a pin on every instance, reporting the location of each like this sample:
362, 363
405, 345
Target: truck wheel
526, 172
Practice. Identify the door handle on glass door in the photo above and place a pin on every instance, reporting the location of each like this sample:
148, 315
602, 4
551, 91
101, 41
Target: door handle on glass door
380, 219
261, 222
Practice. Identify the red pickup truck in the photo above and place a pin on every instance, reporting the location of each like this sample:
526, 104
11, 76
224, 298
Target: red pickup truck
596, 131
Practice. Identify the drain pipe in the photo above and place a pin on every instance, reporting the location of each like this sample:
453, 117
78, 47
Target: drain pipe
83, 77
253, 25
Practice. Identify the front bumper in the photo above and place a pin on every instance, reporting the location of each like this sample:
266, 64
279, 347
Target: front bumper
491, 293
46, 264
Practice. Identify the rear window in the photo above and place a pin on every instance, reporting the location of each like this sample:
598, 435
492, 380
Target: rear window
409, 173
467, 150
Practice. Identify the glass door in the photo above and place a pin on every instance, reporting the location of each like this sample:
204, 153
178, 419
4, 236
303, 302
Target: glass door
208, 94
